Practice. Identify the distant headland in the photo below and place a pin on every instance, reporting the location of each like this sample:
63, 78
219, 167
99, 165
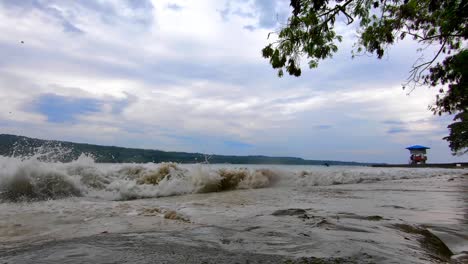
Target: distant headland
63, 151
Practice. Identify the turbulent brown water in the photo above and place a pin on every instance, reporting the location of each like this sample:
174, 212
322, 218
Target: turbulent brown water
170, 213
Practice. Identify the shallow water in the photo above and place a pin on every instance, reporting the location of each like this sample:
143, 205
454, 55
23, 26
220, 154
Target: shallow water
97, 212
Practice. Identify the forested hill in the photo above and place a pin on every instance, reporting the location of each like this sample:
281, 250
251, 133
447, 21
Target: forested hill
12, 145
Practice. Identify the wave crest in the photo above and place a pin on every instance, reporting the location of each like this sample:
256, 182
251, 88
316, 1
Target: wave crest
30, 184
33, 180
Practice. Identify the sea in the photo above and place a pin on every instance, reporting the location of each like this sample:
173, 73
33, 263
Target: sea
87, 212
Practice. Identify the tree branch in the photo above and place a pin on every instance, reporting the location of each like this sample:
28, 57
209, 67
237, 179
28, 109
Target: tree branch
417, 71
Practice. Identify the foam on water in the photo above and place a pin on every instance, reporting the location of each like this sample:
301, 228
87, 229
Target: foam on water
352, 175
31, 179
35, 179
291, 211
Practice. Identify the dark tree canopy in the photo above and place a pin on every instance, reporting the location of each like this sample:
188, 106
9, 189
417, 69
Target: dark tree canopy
458, 136
310, 32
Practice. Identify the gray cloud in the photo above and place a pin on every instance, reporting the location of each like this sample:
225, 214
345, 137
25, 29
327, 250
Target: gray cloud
46, 8
269, 13
241, 13
392, 122
225, 12
174, 7
397, 130
138, 12
249, 27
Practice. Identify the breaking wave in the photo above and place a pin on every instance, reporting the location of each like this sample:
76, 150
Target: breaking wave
33, 180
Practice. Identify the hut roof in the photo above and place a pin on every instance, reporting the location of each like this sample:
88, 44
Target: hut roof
417, 147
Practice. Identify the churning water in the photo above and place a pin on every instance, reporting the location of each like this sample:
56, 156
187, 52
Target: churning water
83, 211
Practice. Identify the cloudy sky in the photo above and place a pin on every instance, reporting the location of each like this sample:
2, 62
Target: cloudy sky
188, 76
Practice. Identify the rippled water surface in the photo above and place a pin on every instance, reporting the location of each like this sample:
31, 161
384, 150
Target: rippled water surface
106, 213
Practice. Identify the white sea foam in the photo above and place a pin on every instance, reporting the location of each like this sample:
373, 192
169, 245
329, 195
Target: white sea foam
359, 216
31, 179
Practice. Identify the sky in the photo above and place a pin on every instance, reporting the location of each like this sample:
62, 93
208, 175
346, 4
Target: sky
186, 75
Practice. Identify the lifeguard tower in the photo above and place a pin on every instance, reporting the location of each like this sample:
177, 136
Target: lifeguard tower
418, 154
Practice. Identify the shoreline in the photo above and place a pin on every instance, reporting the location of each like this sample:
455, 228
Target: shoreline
457, 165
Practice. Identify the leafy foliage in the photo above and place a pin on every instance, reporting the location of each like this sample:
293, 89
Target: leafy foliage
310, 32
453, 73
458, 136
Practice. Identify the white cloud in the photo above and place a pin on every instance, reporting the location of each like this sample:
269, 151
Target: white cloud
188, 75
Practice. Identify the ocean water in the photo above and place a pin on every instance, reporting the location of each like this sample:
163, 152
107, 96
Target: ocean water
82, 211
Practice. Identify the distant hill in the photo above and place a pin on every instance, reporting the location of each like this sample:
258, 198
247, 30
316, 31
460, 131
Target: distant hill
12, 145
